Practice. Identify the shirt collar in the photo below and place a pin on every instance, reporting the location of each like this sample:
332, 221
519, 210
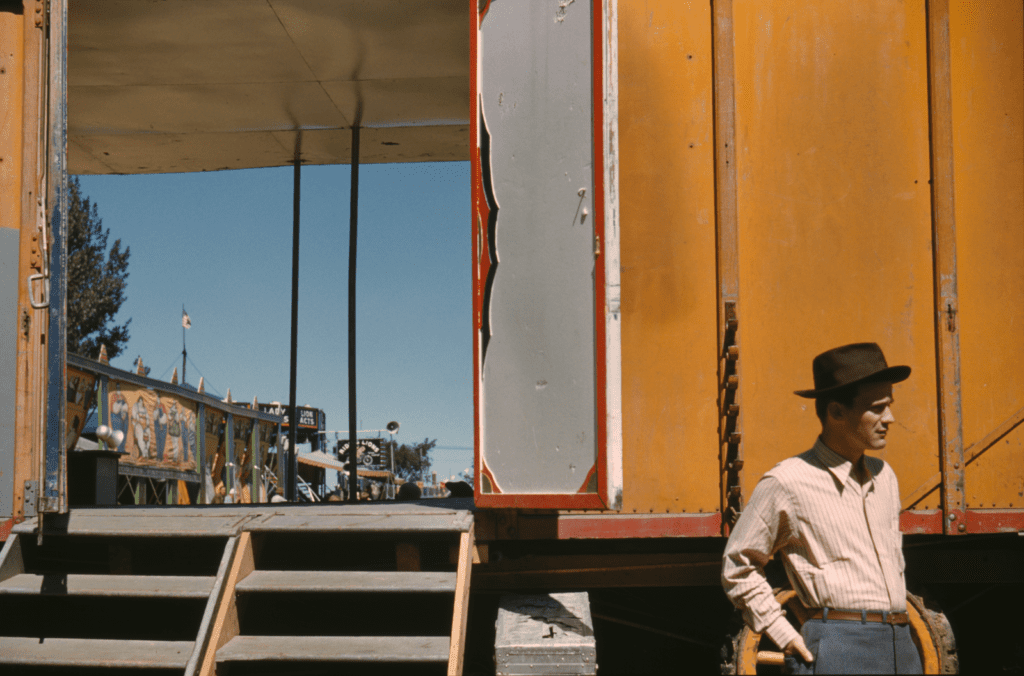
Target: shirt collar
839, 466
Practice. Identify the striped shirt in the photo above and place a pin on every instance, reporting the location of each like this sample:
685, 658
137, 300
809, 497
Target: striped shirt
840, 540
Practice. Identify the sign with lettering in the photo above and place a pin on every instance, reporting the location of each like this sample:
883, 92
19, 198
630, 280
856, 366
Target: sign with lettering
371, 453
309, 418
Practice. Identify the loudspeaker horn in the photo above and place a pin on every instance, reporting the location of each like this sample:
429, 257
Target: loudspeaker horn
112, 438
392, 427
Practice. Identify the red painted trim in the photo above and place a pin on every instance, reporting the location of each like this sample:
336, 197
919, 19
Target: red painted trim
540, 501
5, 529
930, 521
475, 190
994, 520
586, 482
621, 526
483, 12
919, 522
486, 471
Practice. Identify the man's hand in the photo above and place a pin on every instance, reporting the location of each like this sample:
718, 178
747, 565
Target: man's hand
798, 647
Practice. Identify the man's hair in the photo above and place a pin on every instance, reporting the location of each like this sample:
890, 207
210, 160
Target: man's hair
843, 395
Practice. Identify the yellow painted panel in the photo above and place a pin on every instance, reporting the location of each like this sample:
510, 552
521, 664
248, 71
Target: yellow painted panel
669, 368
834, 216
11, 47
987, 72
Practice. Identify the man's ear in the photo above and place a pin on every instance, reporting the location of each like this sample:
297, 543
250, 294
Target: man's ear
835, 410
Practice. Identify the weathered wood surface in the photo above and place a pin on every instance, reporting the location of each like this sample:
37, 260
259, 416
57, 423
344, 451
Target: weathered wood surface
382, 649
227, 520
94, 652
109, 585
226, 623
347, 581
368, 523
457, 647
206, 625
134, 523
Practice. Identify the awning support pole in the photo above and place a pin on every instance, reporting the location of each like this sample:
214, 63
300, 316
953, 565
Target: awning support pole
353, 451
290, 458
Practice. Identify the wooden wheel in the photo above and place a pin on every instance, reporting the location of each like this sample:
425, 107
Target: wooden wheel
928, 627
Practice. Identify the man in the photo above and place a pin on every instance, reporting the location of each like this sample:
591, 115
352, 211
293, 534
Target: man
833, 515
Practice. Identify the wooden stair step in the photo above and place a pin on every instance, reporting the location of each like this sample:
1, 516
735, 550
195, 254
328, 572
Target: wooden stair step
103, 653
375, 523
146, 586
347, 581
373, 649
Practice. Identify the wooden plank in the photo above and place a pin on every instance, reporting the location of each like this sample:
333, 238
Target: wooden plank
730, 424
947, 333
225, 626
207, 623
369, 523
133, 524
347, 581
378, 649
456, 650
151, 586
11, 561
94, 652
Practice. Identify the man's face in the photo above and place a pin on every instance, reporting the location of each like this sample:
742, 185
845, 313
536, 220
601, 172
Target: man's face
866, 423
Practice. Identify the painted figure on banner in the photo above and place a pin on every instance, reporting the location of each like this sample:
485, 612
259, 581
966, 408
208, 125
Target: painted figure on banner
188, 435
119, 414
160, 428
173, 451
140, 429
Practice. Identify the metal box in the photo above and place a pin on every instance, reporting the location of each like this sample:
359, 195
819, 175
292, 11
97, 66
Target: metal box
540, 634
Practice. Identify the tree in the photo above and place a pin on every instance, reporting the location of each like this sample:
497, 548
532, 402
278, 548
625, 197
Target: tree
96, 278
410, 461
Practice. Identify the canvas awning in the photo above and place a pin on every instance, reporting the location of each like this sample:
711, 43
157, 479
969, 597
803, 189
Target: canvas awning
180, 86
321, 459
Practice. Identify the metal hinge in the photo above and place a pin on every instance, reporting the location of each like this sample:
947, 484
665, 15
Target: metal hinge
30, 499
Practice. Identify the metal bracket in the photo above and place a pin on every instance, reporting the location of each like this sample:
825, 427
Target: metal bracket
45, 302
30, 500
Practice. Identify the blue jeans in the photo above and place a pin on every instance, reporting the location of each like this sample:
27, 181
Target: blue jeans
851, 647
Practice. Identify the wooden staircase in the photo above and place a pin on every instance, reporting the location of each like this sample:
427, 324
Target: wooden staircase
261, 589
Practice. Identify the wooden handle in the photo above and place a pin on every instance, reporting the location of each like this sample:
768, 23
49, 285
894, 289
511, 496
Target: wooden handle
769, 657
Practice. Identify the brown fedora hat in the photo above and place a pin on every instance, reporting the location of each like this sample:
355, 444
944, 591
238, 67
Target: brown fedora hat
850, 364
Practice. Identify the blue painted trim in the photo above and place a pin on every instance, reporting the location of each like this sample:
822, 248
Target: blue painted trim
53, 492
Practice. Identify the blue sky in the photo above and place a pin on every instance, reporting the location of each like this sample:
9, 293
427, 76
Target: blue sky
221, 244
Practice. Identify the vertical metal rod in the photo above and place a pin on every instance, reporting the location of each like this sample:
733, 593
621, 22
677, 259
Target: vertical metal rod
353, 451
184, 353
291, 462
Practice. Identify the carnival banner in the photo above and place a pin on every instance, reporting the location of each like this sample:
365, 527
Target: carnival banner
241, 460
213, 473
81, 395
159, 428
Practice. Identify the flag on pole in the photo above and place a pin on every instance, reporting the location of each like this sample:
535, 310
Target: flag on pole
185, 321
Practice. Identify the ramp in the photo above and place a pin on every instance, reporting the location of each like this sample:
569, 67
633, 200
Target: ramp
256, 590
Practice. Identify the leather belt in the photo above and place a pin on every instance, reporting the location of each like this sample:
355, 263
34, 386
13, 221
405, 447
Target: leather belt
827, 614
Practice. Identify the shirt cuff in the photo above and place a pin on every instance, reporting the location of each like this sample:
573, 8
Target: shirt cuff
782, 632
